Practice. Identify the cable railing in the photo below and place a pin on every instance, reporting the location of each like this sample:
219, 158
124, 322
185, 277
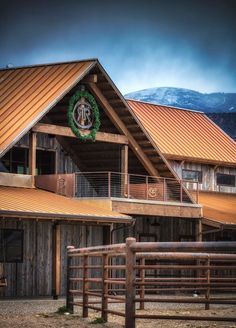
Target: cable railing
132, 186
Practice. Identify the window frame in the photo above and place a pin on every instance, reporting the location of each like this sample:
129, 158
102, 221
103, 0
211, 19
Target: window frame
225, 184
199, 180
4, 257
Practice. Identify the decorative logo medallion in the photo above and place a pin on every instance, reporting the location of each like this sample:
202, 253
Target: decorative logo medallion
83, 115
152, 192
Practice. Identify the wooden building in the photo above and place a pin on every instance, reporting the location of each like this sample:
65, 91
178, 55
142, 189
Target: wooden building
79, 167
200, 152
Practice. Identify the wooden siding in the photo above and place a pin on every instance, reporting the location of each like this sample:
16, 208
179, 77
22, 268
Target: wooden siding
208, 175
33, 277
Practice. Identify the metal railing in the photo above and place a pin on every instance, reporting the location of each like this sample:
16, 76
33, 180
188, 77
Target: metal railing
120, 273
131, 186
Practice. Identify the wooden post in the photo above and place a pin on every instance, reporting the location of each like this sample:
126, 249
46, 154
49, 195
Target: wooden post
142, 287
199, 230
56, 260
69, 296
130, 285
208, 280
124, 169
32, 154
104, 287
85, 287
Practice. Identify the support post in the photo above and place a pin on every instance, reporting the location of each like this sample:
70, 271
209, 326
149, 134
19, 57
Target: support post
104, 287
130, 284
85, 286
32, 154
199, 230
69, 296
56, 261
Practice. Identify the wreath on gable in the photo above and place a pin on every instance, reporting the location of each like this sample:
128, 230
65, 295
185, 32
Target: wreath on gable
94, 111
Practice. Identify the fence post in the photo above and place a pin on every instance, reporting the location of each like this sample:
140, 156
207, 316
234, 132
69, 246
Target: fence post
130, 285
142, 287
85, 286
104, 286
69, 296
208, 279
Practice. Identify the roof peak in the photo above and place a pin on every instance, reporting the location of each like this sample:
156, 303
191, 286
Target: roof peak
161, 105
50, 64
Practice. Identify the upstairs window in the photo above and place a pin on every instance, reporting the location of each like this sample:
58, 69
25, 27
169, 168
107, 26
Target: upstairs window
225, 179
192, 175
11, 245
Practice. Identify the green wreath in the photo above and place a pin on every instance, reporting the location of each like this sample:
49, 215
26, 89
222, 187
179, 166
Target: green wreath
95, 110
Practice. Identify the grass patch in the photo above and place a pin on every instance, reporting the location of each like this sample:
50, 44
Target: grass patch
97, 321
63, 310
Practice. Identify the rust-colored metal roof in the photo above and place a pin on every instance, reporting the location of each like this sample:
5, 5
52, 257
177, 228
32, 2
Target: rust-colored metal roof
26, 94
218, 207
185, 134
37, 203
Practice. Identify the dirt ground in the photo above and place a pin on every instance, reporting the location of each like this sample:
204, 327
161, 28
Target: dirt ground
41, 314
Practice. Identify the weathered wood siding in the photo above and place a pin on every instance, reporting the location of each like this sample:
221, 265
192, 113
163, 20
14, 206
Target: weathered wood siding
33, 277
208, 175
163, 228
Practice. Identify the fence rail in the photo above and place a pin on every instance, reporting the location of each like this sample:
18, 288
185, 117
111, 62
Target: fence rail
138, 272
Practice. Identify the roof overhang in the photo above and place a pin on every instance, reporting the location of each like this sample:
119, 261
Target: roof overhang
39, 204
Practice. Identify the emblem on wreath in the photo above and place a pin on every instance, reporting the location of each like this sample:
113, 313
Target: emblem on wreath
83, 114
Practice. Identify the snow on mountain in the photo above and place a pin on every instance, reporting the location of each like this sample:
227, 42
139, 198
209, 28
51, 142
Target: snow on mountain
218, 102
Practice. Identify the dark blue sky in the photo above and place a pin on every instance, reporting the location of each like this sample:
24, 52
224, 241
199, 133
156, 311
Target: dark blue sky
141, 44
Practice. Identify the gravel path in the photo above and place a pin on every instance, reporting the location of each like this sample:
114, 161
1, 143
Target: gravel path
40, 313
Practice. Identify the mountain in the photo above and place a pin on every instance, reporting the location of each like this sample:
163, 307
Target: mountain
219, 106
218, 102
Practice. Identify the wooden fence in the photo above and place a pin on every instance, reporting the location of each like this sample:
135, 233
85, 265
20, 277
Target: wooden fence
140, 272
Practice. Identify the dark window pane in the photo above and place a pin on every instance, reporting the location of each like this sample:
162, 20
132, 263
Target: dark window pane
192, 175
225, 179
11, 245
45, 161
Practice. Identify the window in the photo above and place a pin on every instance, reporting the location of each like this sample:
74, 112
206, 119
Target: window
16, 161
11, 245
225, 179
192, 175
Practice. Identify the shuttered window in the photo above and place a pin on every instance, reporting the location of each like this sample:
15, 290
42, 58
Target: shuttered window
11, 245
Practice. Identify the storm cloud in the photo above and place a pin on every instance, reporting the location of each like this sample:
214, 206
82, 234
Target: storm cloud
141, 44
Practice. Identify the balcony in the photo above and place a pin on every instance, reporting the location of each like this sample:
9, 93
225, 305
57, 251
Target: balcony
126, 193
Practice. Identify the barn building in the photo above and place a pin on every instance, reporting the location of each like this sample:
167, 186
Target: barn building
80, 165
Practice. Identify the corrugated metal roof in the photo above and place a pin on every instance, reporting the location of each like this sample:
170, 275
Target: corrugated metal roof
26, 94
185, 134
218, 207
38, 203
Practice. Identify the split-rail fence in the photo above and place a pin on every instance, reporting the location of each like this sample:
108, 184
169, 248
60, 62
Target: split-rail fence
140, 272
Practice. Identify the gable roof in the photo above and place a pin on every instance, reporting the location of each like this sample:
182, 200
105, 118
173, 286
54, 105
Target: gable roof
185, 134
27, 93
